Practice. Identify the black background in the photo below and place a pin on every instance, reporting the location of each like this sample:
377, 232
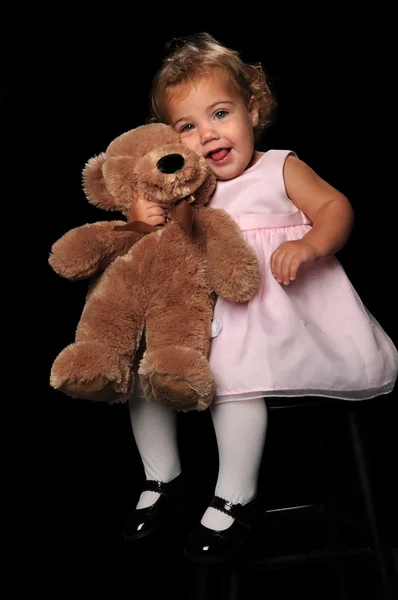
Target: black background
76, 86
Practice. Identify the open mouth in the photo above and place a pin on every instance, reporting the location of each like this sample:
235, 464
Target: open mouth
219, 154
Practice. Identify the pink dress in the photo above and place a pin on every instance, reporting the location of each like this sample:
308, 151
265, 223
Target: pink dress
311, 338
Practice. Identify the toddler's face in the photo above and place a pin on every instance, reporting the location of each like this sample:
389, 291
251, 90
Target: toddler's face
213, 120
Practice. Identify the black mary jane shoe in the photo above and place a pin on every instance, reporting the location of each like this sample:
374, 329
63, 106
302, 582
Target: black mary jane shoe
209, 546
143, 522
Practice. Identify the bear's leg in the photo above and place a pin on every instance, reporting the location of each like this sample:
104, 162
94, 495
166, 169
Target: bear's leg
175, 369
90, 370
178, 376
98, 366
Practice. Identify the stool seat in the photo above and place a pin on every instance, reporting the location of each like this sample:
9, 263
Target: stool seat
301, 528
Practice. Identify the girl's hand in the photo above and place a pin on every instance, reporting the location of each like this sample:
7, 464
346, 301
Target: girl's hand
146, 211
288, 258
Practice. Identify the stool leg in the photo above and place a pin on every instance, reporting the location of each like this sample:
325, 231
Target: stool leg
234, 584
331, 525
203, 583
218, 582
382, 553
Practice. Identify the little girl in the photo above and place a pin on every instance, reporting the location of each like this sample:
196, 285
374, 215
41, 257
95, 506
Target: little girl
305, 333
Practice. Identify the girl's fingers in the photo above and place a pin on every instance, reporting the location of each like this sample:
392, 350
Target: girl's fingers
156, 220
273, 261
285, 268
157, 205
155, 211
294, 267
279, 266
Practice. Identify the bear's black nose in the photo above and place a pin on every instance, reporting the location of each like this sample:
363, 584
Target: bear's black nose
170, 163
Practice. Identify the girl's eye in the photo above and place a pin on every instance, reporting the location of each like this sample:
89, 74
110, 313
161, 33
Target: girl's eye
186, 127
220, 114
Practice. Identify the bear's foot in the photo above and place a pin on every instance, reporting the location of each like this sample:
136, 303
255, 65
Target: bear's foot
90, 371
177, 376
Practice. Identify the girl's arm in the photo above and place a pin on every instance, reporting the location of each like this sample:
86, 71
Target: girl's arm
331, 215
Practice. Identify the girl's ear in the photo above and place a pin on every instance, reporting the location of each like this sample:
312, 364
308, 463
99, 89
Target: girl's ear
254, 110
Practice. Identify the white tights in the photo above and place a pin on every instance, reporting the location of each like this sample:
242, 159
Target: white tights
240, 429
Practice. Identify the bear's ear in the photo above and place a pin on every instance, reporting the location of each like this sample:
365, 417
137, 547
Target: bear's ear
121, 180
94, 184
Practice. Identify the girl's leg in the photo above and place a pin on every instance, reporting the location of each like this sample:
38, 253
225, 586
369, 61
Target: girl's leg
240, 429
155, 432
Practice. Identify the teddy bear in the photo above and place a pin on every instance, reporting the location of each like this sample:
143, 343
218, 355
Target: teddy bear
151, 294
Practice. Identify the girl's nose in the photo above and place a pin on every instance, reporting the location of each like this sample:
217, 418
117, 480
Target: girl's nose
208, 134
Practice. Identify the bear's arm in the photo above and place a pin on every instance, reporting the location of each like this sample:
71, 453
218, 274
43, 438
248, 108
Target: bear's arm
86, 250
232, 263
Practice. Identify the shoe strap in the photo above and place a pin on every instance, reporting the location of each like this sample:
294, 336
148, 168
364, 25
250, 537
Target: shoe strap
172, 488
236, 511
152, 485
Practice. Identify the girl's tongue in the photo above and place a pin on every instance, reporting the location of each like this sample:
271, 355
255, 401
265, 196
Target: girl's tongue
220, 154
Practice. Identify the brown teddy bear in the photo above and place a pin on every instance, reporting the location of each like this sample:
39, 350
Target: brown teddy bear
152, 285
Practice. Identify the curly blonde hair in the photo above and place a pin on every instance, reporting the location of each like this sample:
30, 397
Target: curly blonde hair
199, 55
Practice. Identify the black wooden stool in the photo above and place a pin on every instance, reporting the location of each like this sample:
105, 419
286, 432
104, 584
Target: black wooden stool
341, 530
